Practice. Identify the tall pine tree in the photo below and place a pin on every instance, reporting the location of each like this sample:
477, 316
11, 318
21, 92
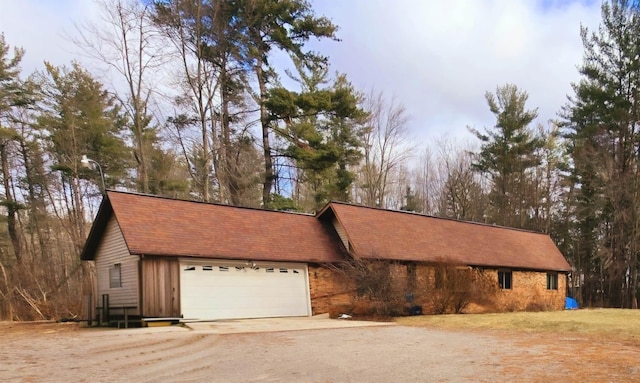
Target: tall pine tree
507, 154
602, 125
319, 126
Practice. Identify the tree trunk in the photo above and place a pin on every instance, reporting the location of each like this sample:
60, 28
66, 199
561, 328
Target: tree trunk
634, 288
198, 91
7, 296
36, 205
10, 205
228, 173
269, 177
141, 157
78, 213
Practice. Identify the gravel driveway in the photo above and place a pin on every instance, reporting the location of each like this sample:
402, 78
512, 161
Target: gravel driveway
368, 354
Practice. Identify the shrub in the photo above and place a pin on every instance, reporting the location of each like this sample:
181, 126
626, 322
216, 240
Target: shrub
377, 294
456, 286
540, 303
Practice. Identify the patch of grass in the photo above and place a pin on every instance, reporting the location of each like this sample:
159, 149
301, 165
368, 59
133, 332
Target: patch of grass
616, 323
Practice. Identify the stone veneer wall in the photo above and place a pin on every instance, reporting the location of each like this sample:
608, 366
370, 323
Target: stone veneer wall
328, 287
528, 290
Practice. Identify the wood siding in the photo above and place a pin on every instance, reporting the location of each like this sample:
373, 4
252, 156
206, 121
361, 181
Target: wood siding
342, 233
161, 287
113, 250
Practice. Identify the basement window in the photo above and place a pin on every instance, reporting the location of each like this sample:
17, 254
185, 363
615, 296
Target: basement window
239, 268
115, 276
552, 281
190, 268
504, 279
207, 268
223, 268
284, 271
269, 269
296, 272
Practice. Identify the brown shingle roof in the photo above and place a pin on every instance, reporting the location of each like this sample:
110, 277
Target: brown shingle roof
378, 233
168, 227
159, 226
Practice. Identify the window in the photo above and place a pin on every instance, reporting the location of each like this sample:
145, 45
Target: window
115, 276
207, 268
552, 281
269, 269
283, 270
504, 280
223, 268
190, 268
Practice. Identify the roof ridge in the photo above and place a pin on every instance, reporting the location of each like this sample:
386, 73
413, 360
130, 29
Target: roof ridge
435, 217
209, 203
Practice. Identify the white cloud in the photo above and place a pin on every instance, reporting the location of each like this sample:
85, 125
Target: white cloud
438, 58
40, 26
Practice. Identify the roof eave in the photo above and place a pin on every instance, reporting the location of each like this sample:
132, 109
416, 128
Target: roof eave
105, 211
322, 211
353, 249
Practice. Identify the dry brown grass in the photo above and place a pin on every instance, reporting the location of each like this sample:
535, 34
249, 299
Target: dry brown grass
623, 325
592, 345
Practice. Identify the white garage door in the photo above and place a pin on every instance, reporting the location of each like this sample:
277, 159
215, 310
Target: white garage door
233, 289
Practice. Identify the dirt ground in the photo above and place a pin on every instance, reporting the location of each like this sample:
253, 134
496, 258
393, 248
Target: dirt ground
65, 352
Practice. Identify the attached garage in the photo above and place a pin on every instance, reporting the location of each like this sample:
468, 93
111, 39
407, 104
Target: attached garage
202, 261
227, 289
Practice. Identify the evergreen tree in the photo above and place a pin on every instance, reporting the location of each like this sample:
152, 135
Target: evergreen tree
411, 201
601, 122
273, 25
81, 118
507, 154
14, 93
320, 128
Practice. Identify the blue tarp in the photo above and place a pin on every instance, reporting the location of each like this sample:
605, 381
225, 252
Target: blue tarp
570, 304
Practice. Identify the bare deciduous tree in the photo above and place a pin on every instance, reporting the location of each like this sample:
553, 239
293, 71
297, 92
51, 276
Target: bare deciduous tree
461, 195
386, 147
125, 40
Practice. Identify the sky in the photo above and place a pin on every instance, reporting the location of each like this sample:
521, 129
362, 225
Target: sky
437, 58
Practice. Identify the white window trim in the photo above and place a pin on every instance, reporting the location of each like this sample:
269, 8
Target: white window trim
115, 276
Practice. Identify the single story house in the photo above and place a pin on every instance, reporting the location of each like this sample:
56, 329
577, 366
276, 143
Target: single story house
163, 257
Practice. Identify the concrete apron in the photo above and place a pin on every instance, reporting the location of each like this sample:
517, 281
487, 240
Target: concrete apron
239, 326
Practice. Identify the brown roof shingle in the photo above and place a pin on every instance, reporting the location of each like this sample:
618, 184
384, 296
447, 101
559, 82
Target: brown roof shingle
168, 227
387, 234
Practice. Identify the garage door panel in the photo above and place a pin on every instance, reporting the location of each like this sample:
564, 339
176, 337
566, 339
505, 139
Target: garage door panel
229, 289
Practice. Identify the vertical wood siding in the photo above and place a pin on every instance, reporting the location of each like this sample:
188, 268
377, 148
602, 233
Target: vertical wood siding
161, 287
111, 250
